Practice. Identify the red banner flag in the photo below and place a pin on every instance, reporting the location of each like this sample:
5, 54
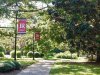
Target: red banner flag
21, 26
37, 36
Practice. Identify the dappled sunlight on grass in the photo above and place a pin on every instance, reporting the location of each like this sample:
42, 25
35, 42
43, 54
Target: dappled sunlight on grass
74, 69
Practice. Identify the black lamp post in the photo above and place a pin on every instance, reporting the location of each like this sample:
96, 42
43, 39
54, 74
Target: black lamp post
33, 43
16, 11
33, 46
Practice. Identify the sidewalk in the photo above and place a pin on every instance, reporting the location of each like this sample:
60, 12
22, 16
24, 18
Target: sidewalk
41, 68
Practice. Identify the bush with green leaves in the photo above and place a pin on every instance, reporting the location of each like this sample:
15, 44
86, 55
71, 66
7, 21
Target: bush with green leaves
17, 65
25, 53
74, 56
12, 53
41, 55
61, 55
2, 49
18, 54
5, 67
1, 54
66, 55
37, 54
11, 63
8, 66
30, 54
56, 50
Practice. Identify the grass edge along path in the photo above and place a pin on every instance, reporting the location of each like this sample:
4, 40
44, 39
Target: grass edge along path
25, 63
72, 68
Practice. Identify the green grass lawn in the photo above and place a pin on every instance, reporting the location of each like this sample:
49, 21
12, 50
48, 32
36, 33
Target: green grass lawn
75, 69
26, 62
50, 58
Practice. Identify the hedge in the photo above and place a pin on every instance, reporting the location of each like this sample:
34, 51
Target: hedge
30, 54
36, 54
18, 54
66, 55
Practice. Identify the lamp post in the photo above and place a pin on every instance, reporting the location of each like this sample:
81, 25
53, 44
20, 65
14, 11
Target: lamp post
33, 43
33, 39
33, 46
16, 11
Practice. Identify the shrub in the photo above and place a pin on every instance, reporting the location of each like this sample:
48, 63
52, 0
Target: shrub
37, 54
17, 65
1, 54
41, 55
92, 57
74, 56
11, 63
2, 49
66, 55
56, 50
18, 54
60, 55
5, 67
25, 53
12, 53
9, 66
30, 54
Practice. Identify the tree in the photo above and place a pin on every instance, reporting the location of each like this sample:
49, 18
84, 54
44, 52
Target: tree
81, 21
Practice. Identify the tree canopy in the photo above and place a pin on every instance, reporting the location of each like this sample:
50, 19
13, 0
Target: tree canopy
81, 21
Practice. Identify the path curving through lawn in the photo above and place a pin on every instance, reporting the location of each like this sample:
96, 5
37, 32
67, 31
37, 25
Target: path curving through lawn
41, 68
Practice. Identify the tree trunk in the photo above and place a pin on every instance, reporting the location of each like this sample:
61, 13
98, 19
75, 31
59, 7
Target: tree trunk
87, 54
92, 56
98, 56
71, 56
22, 52
78, 53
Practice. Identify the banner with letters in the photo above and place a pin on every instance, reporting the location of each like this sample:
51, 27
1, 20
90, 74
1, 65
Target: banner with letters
21, 28
37, 36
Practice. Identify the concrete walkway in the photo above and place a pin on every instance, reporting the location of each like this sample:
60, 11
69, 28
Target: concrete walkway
41, 68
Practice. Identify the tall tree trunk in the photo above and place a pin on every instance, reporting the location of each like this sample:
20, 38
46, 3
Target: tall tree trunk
78, 53
22, 52
98, 56
71, 56
92, 56
87, 54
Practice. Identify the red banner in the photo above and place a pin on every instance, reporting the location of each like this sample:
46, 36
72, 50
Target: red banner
21, 26
37, 36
